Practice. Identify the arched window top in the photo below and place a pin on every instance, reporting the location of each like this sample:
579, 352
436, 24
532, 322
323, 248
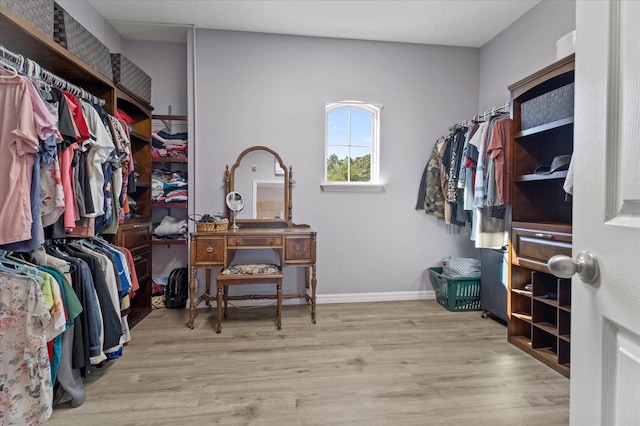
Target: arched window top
371, 108
352, 133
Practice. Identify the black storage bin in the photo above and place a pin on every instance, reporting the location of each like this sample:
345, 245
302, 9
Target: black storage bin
68, 33
547, 108
131, 77
38, 13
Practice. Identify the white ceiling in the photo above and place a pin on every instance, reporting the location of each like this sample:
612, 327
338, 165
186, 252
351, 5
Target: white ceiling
469, 23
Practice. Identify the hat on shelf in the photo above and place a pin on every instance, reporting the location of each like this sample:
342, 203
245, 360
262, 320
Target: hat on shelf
560, 162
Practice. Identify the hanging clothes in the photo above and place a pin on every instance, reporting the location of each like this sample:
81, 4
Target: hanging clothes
18, 142
65, 167
61, 166
430, 195
498, 151
468, 171
25, 375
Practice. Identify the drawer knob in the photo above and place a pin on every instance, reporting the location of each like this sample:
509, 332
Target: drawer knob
209, 250
585, 265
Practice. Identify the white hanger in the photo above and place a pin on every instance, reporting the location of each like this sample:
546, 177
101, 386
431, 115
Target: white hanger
14, 72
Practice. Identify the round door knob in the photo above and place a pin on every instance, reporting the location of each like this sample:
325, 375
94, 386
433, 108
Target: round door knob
585, 266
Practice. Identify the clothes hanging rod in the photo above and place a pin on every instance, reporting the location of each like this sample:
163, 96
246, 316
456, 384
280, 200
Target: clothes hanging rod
30, 68
482, 117
502, 108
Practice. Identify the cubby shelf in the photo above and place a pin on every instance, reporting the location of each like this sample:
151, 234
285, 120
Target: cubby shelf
169, 253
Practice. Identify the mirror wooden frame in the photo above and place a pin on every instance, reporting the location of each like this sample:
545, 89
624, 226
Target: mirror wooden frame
230, 178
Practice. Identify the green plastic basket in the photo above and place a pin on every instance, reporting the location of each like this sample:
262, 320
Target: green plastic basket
457, 294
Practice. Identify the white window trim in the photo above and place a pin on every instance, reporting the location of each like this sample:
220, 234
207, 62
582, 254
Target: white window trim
375, 185
351, 187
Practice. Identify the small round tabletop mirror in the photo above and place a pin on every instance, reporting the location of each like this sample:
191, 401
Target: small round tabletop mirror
235, 202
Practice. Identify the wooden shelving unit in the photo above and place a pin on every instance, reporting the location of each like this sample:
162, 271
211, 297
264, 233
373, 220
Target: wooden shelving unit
539, 316
174, 249
135, 232
20, 36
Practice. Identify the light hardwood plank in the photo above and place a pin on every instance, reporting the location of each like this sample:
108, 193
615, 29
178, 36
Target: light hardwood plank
391, 363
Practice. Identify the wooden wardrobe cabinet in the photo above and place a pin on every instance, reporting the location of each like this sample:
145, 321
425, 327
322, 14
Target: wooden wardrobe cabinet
539, 304
135, 232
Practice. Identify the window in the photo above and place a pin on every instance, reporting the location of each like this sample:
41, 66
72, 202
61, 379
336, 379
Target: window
351, 143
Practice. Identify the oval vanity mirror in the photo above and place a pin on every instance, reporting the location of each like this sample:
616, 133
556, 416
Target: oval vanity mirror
265, 182
235, 203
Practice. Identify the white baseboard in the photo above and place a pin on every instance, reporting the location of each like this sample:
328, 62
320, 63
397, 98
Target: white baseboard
344, 298
375, 297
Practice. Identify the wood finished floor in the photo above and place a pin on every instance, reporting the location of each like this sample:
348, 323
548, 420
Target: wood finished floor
393, 363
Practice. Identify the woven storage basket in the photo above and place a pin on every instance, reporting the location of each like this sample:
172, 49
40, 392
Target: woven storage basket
222, 226
547, 108
130, 76
78, 40
205, 226
38, 13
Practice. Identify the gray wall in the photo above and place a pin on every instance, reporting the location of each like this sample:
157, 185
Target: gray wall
264, 89
89, 18
526, 46
257, 89
166, 64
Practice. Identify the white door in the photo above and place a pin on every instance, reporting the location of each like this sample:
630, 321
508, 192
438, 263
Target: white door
605, 329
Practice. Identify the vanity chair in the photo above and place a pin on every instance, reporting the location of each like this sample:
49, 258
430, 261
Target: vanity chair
294, 245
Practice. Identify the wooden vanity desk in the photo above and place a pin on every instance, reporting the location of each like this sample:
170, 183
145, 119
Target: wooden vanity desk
295, 244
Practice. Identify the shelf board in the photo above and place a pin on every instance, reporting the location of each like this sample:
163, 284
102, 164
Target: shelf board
565, 308
537, 178
526, 293
141, 136
544, 355
523, 317
522, 342
180, 242
125, 94
548, 327
169, 159
546, 301
169, 117
161, 205
547, 353
565, 337
545, 127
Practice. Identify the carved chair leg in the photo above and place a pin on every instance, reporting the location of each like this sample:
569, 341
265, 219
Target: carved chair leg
208, 286
219, 305
279, 303
192, 293
225, 297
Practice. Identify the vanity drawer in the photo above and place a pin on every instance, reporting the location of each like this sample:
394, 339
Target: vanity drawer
209, 250
534, 244
250, 241
297, 248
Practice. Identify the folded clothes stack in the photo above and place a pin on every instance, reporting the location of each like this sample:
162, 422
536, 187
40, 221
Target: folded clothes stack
166, 144
170, 228
169, 186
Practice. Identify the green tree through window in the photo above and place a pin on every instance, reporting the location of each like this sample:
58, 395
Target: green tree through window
352, 130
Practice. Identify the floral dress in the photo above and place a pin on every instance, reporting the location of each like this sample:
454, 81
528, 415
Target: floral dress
26, 390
